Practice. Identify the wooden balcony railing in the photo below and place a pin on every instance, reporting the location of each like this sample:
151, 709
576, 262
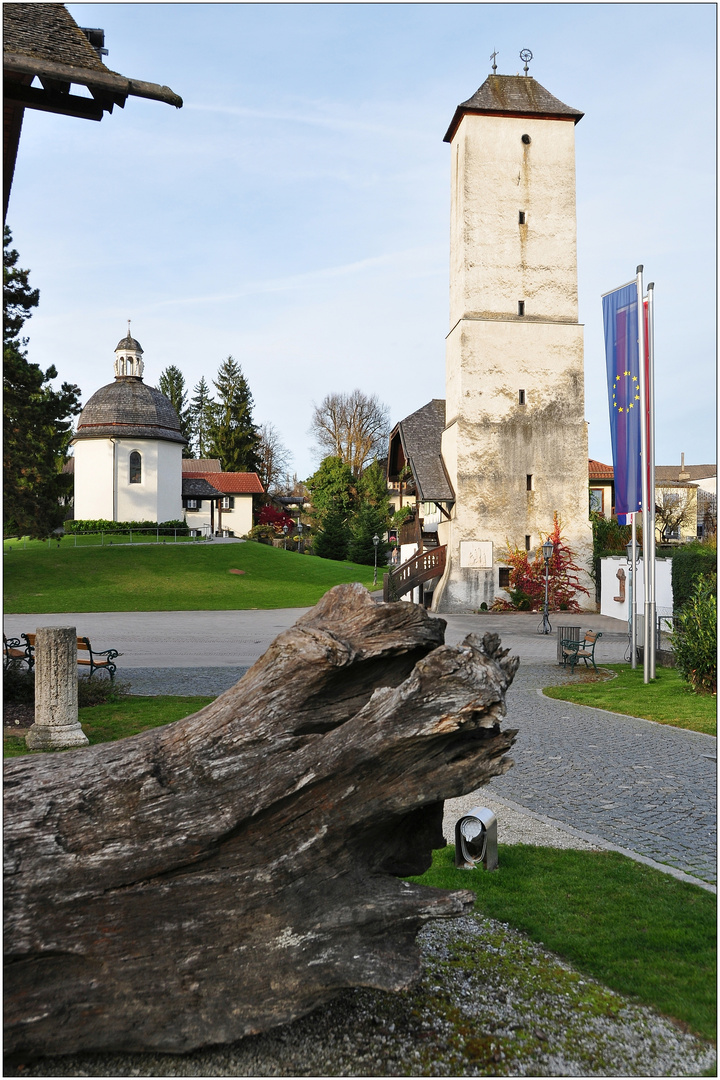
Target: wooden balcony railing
423, 567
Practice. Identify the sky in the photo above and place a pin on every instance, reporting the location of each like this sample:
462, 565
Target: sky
295, 212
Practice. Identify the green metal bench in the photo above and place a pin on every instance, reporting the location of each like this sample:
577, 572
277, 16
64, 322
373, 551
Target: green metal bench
88, 657
572, 651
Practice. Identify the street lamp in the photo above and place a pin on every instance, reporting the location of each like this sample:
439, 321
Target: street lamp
299, 529
285, 532
547, 550
376, 541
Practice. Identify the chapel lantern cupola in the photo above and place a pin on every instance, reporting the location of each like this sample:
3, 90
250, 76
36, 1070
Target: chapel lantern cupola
128, 358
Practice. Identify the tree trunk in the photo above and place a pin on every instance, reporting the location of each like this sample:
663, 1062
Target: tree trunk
210, 879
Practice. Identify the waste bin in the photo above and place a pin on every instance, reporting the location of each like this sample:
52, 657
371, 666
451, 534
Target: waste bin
567, 633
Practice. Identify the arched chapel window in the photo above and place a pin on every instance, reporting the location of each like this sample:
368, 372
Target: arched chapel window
135, 468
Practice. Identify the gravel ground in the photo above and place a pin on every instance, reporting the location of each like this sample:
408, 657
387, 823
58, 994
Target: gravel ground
489, 1002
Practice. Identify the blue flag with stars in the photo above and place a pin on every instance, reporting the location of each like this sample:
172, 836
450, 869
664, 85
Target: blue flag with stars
622, 355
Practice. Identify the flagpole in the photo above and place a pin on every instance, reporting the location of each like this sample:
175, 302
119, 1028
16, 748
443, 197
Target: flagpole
647, 627
651, 464
633, 595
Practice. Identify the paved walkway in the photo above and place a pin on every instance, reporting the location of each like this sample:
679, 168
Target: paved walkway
643, 787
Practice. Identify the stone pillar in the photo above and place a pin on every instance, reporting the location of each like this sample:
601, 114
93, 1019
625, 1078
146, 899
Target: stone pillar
56, 691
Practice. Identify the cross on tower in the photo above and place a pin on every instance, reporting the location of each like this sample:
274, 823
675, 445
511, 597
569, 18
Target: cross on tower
493, 55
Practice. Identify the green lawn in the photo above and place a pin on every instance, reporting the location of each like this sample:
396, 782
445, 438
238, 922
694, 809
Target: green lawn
172, 577
637, 930
119, 719
666, 699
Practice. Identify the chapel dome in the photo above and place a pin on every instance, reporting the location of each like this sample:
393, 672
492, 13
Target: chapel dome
127, 408
129, 343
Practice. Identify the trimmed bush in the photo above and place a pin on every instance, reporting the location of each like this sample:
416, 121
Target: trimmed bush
695, 638
19, 687
167, 528
690, 563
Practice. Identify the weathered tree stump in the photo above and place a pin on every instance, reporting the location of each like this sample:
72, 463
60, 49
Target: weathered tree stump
231, 871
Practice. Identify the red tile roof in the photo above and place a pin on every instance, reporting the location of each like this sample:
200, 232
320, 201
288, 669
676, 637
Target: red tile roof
598, 471
233, 483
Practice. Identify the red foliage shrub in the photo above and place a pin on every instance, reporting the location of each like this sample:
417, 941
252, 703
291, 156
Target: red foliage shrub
527, 577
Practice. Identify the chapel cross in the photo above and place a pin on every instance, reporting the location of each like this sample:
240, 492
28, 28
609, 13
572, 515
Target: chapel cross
493, 55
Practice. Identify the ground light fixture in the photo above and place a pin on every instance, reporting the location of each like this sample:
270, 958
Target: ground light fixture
476, 840
376, 541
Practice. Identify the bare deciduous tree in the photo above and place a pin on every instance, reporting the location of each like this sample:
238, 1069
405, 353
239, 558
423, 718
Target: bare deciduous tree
274, 458
353, 427
674, 507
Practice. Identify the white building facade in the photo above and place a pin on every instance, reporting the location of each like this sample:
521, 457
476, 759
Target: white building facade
128, 449
514, 447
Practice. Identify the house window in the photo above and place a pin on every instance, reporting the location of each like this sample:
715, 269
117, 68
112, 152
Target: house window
192, 504
521, 307
529, 481
504, 577
597, 503
135, 468
521, 397
227, 503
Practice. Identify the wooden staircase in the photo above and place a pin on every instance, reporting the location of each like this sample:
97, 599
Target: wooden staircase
422, 567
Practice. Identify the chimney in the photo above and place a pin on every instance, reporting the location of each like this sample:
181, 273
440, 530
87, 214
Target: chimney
683, 475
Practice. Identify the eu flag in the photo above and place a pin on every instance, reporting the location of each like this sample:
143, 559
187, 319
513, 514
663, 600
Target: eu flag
622, 355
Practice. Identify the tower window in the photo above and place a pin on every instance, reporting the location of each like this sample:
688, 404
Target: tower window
521, 397
504, 577
527, 543
529, 481
526, 139
135, 468
521, 307
521, 217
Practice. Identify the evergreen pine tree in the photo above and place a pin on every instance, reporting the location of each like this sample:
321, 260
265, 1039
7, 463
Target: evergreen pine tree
36, 418
172, 384
233, 437
332, 540
201, 419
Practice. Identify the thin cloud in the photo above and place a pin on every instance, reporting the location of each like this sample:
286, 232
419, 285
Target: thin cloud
299, 281
334, 123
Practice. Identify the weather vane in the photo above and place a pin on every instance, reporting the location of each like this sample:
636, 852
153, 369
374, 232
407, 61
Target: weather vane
493, 55
526, 56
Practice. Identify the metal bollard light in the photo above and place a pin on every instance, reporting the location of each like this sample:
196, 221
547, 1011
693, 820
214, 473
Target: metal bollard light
476, 840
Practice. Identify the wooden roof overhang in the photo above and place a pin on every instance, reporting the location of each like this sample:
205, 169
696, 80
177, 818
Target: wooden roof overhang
43, 44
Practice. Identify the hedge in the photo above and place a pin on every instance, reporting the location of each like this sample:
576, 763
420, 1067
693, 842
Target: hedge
690, 562
166, 528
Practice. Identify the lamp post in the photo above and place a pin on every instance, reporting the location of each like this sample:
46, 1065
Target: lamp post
299, 529
285, 532
547, 550
376, 541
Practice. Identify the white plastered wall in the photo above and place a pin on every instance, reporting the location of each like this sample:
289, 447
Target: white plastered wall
492, 442
100, 494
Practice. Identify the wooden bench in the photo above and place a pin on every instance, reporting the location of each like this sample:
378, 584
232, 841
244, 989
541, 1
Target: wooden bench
14, 651
96, 661
584, 649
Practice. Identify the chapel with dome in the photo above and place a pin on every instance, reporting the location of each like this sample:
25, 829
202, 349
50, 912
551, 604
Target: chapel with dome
128, 448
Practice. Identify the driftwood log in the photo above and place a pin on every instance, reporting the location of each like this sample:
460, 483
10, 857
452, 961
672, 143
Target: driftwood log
210, 879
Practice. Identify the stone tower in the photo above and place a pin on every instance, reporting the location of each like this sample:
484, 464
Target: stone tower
515, 441
128, 448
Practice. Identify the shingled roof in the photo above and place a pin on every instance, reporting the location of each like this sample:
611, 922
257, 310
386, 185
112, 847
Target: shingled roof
513, 95
417, 440
233, 483
127, 408
43, 42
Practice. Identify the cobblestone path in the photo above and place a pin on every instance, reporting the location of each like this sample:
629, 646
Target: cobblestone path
647, 787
